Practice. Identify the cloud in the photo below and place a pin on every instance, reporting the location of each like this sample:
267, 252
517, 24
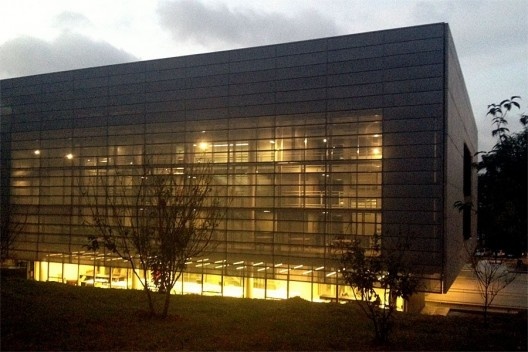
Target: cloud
68, 20
219, 26
28, 55
494, 29
490, 37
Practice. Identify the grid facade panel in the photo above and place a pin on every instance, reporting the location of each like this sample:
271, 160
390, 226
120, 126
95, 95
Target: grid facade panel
310, 143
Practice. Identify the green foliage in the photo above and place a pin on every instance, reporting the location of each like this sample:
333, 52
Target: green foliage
378, 276
502, 190
499, 113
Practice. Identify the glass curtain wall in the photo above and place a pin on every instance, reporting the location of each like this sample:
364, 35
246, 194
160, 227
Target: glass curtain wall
295, 184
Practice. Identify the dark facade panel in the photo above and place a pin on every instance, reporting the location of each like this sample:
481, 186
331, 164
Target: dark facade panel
298, 72
23, 118
82, 93
162, 86
216, 58
205, 114
409, 138
49, 116
412, 191
206, 103
311, 58
250, 77
414, 59
408, 177
355, 41
128, 119
166, 117
308, 46
414, 33
91, 73
130, 78
406, 164
253, 88
296, 84
417, 98
355, 91
299, 95
208, 81
173, 105
415, 85
101, 101
57, 124
207, 70
403, 151
411, 204
252, 65
59, 86
252, 99
414, 112
129, 69
123, 109
300, 107
166, 64
402, 216
22, 90
357, 103
163, 75
263, 52
160, 96
413, 72
361, 65
348, 54
429, 44
204, 92
126, 89
127, 99
28, 126
57, 105
412, 124
355, 78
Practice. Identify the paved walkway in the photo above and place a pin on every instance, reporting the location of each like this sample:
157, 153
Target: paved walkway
464, 294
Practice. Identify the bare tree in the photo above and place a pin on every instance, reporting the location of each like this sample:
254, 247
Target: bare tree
378, 276
492, 277
10, 227
156, 220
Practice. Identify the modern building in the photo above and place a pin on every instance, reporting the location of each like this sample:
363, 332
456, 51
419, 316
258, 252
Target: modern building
313, 142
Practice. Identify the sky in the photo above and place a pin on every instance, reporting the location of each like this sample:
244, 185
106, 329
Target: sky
491, 36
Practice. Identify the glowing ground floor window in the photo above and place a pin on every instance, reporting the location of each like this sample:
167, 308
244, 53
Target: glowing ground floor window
243, 285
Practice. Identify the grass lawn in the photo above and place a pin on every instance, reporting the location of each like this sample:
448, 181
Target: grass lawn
52, 316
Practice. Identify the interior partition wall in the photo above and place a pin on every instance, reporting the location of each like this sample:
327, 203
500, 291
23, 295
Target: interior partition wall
310, 143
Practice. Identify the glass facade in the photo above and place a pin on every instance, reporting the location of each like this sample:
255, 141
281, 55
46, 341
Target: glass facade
293, 185
310, 143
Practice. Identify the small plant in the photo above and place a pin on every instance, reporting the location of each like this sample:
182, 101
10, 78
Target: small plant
378, 276
492, 277
155, 220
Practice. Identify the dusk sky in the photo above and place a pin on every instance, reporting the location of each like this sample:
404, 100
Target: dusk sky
46, 36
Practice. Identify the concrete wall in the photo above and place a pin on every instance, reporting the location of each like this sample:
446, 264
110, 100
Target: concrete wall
460, 130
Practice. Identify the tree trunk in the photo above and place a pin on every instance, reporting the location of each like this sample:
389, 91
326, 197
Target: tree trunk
165, 312
152, 310
486, 304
